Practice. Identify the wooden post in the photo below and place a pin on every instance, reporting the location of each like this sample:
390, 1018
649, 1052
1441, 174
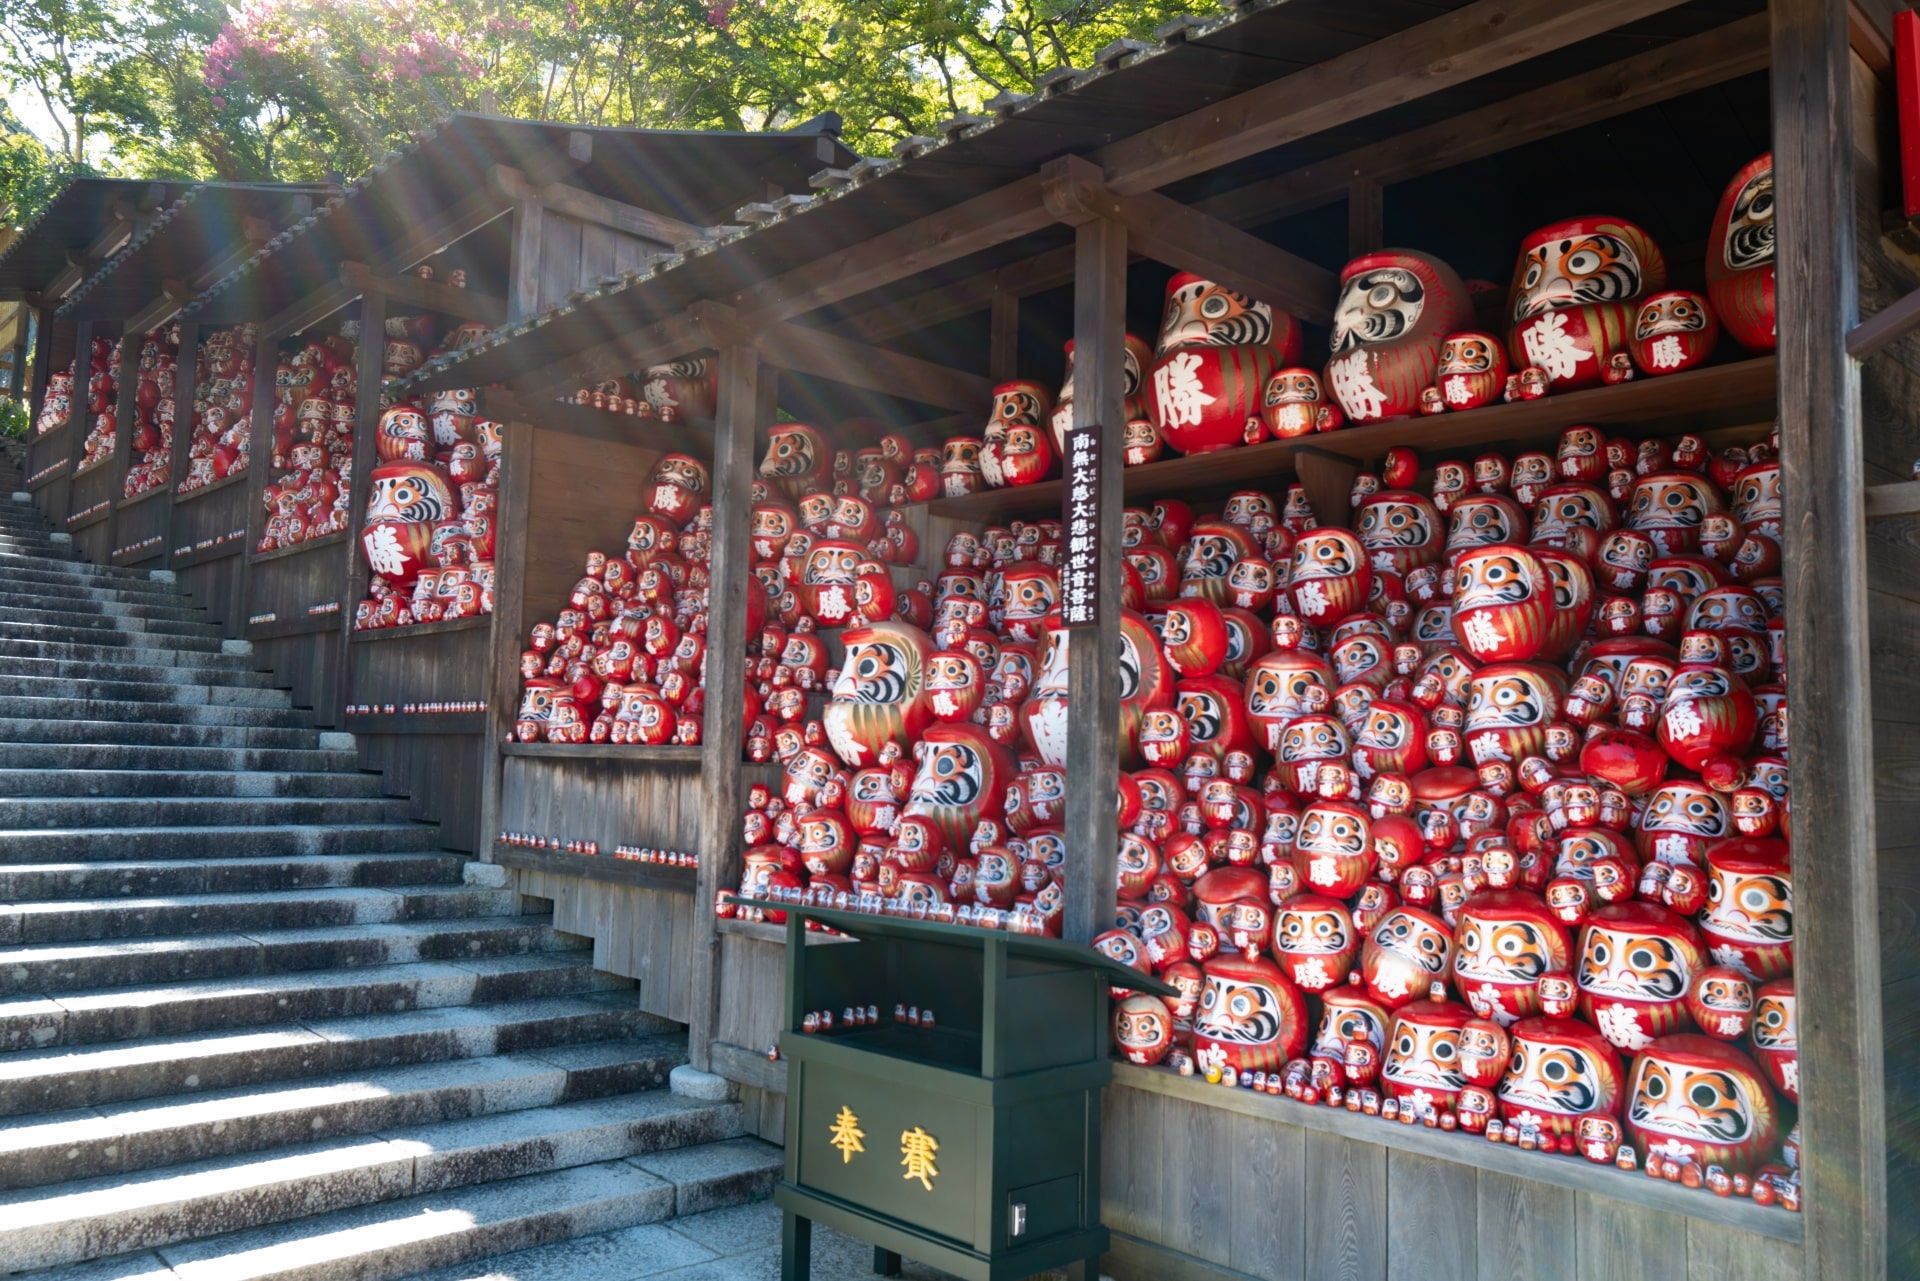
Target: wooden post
1328, 480
80, 422
266, 362
1093, 675
186, 370
1842, 1092
1003, 358
509, 623
366, 423
1366, 215
734, 430
124, 391
523, 269
42, 358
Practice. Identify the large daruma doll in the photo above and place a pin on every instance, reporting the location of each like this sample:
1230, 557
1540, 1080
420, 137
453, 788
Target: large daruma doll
881, 696
1396, 309
1217, 349
1694, 1097
961, 777
1250, 1017
403, 503
1575, 290
1740, 266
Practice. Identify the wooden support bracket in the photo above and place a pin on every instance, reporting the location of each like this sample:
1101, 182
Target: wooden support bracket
1899, 499
433, 295
575, 202
1888, 325
1074, 190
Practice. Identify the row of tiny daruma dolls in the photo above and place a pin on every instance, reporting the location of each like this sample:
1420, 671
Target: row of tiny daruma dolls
1588, 306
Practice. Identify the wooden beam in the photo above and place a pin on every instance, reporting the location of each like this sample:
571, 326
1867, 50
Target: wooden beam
174, 295
260, 462
123, 407
1003, 337
1843, 1128
986, 220
366, 425
523, 260
80, 421
1660, 75
1093, 675
1481, 38
1869, 41
1366, 215
186, 373
1899, 499
509, 619
1711, 58
614, 358
721, 790
1328, 480
1888, 325
68, 278
433, 295
502, 405
1183, 237
574, 202
824, 355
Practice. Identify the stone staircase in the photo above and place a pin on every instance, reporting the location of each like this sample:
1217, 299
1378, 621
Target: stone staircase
255, 1024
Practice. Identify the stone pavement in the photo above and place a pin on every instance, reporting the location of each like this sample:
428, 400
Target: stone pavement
739, 1243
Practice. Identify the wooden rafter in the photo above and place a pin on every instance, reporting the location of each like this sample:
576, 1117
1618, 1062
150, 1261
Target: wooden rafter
433, 295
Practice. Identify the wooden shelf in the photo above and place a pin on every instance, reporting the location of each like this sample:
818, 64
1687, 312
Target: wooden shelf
1649, 403
598, 867
200, 556
416, 723
145, 495
301, 625
90, 520
634, 754
225, 482
1471, 1149
766, 933
749, 1067
1899, 499
421, 629
312, 544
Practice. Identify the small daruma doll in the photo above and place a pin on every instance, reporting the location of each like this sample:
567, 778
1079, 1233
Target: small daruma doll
1637, 962
1250, 1016
1740, 266
1143, 1029
1331, 576
1473, 372
1422, 1064
1406, 953
1690, 1097
1575, 290
1748, 921
1776, 1035
1314, 941
1560, 1070
1673, 330
1396, 307
1294, 405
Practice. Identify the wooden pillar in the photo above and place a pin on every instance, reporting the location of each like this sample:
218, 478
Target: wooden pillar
1328, 480
81, 421
124, 392
186, 371
523, 268
1366, 214
266, 362
1003, 348
1837, 948
1093, 676
20, 385
42, 358
509, 622
721, 798
366, 423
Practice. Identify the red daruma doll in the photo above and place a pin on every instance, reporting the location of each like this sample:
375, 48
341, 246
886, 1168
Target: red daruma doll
1396, 307
1740, 265
1575, 290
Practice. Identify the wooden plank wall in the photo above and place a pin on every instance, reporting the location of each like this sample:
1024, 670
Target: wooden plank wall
92, 535
612, 802
576, 255
1890, 408
49, 495
634, 933
137, 519
1201, 1194
753, 997
585, 497
218, 583
438, 773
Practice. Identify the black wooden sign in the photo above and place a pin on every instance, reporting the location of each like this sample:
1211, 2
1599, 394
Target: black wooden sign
1080, 518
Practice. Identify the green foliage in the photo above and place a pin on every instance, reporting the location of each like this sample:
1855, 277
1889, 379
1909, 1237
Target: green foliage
291, 89
13, 418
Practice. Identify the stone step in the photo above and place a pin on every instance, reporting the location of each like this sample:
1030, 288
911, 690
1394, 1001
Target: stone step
72, 1019
406, 1236
113, 710
18, 633
174, 916
45, 881
50, 813
94, 845
89, 1076
183, 783
126, 1137
68, 578
52, 589
61, 561
123, 667
143, 1211
111, 733
51, 969
154, 620
196, 657
106, 686
136, 757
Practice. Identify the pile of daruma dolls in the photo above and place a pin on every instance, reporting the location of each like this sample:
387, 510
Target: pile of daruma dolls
315, 381
154, 410
221, 440
429, 531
